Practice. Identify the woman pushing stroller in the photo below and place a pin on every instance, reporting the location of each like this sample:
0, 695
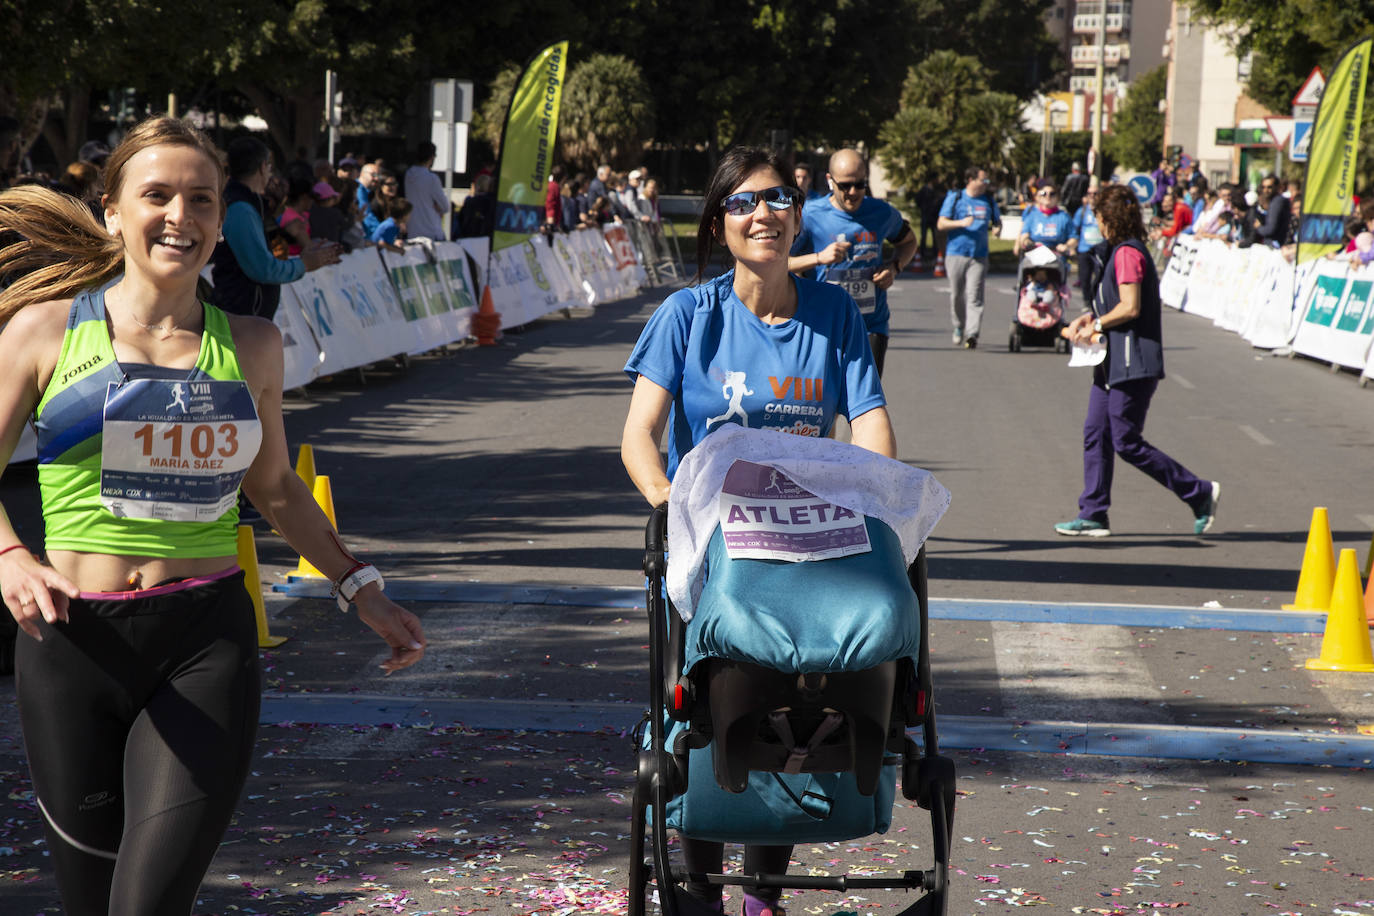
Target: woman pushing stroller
758, 347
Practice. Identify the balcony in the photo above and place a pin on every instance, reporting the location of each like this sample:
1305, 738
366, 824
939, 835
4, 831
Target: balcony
1086, 55
1087, 25
1110, 83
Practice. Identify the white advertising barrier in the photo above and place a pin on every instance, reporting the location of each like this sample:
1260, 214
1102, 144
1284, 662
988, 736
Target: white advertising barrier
520, 290
556, 270
566, 253
352, 312
435, 292
595, 265
625, 258
1269, 323
1337, 316
1173, 286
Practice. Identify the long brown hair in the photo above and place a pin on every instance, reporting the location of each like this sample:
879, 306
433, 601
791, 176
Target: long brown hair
54, 246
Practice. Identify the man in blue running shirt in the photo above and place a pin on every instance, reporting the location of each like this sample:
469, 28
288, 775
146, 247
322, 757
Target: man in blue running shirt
842, 238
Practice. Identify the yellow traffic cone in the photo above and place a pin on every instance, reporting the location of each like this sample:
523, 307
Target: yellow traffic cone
1318, 563
252, 580
1345, 644
324, 498
305, 465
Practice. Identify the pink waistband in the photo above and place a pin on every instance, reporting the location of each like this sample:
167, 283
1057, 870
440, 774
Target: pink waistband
168, 589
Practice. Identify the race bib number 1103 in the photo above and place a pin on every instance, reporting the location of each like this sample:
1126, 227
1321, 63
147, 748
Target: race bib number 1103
176, 450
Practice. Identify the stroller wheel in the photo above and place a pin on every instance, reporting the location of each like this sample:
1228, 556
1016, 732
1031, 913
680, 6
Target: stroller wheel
1061, 345
1014, 342
639, 870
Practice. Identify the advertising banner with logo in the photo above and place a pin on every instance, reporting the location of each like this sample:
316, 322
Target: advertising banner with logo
527, 147
1329, 185
1337, 317
352, 312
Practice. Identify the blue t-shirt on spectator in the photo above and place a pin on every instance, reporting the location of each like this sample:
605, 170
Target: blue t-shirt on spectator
1085, 228
1047, 228
865, 229
969, 241
386, 231
1199, 205
722, 364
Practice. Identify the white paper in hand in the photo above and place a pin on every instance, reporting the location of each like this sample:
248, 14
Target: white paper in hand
1090, 355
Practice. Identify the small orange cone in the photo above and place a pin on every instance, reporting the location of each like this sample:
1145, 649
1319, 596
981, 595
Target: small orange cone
486, 324
1318, 564
939, 264
1345, 644
324, 498
252, 580
917, 265
1369, 602
305, 465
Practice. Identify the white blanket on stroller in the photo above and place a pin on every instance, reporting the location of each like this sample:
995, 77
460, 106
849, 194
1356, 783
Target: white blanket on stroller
908, 500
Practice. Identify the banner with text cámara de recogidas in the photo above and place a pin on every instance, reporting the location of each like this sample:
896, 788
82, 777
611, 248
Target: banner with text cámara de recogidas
528, 142
1329, 188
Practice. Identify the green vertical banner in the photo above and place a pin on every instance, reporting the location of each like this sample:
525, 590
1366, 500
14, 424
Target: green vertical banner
1330, 184
527, 147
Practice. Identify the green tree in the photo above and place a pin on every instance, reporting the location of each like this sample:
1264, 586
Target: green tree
1137, 136
1287, 38
949, 119
606, 113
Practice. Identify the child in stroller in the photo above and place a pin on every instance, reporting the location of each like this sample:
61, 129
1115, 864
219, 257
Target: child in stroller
1042, 296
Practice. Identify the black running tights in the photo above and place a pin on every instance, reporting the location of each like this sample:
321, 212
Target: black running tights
139, 718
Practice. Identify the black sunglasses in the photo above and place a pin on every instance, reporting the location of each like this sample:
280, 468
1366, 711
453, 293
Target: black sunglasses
744, 202
845, 186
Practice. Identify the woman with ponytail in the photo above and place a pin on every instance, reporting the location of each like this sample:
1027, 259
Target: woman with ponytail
137, 669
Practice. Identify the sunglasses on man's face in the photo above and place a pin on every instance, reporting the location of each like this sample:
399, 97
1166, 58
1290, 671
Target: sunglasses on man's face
746, 202
846, 186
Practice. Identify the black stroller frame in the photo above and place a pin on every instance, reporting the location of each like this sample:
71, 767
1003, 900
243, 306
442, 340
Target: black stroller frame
710, 699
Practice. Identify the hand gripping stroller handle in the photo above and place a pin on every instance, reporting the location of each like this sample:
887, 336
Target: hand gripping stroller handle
655, 538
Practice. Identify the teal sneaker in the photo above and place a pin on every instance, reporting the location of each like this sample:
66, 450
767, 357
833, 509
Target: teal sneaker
1082, 528
1202, 521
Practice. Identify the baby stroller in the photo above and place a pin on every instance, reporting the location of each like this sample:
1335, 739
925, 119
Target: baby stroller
779, 712
1042, 295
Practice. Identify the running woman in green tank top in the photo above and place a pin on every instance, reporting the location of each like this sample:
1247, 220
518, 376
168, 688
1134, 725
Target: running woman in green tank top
138, 653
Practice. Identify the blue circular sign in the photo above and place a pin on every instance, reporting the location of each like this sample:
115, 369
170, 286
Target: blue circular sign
1143, 186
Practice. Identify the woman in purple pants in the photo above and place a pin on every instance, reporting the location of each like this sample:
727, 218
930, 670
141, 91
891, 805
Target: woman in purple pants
1126, 311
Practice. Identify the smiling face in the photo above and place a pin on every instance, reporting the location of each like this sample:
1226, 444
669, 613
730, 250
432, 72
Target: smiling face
763, 234
168, 211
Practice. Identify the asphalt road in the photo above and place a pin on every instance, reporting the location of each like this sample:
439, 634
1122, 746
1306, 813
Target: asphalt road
494, 776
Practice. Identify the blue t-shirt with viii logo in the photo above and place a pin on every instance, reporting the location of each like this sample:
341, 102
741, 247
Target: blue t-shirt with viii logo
865, 229
723, 365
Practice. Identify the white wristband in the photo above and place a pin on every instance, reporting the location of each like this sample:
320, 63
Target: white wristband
346, 589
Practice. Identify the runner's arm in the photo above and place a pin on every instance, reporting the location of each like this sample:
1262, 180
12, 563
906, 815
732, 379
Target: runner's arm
640, 442
873, 430
285, 501
29, 345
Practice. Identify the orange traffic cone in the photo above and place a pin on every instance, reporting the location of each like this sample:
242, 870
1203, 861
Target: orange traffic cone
1369, 602
486, 324
917, 265
1318, 565
1345, 644
324, 498
939, 264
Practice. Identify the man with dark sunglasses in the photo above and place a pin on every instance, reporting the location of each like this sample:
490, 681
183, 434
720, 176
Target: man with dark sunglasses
842, 238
